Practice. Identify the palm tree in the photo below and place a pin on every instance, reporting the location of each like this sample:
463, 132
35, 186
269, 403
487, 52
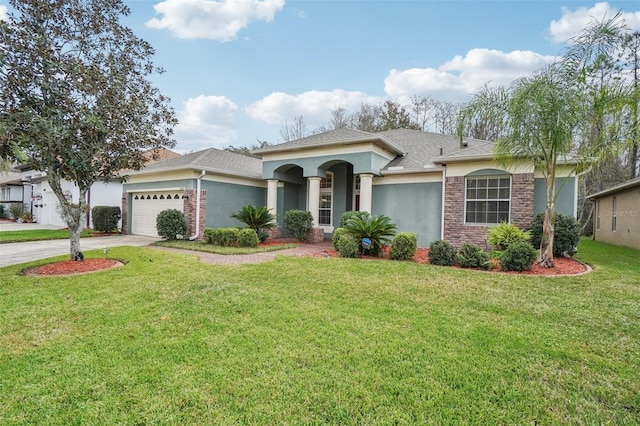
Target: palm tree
257, 218
540, 113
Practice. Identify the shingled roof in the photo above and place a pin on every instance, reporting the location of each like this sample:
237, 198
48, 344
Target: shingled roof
333, 138
416, 150
212, 160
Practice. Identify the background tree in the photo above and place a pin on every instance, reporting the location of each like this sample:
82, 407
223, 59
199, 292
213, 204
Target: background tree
292, 131
75, 99
246, 150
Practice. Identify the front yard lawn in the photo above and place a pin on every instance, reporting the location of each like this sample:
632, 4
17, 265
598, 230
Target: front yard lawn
210, 248
168, 340
37, 235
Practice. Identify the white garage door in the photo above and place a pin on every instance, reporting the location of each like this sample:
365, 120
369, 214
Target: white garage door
146, 206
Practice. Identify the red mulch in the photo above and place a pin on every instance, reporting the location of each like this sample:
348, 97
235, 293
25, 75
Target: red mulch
70, 267
563, 266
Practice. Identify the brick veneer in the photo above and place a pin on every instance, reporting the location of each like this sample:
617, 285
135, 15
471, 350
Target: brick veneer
189, 210
315, 235
125, 213
457, 232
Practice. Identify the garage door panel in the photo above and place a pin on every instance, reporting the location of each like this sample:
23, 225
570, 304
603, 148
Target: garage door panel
146, 206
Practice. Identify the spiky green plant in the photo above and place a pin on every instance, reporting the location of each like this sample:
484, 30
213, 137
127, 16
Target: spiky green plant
256, 218
378, 229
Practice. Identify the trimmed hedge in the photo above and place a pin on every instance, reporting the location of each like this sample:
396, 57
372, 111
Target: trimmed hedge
171, 224
442, 253
105, 218
472, 256
519, 256
231, 237
403, 246
248, 237
348, 246
298, 223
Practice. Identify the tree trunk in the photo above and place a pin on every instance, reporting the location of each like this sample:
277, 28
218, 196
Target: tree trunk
546, 245
72, 214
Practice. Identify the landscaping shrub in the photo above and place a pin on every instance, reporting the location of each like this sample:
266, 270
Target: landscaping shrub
349, 214
208, 235
337, 233
519, 256
16, 210
503, 235
247, 237
566, 234
378, 229
171, 224
348, 246
2, 210
403, 246
105, 218
226, 237
442, 253
257, 218
298, 223
472, 256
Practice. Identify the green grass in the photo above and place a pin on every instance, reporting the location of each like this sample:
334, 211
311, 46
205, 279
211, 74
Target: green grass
37, 235
168, 340
210, 248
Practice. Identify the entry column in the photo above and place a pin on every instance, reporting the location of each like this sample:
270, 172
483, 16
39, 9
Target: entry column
272, 196
313, 199
366, 184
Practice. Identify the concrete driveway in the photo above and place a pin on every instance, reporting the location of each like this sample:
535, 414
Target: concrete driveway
14, 253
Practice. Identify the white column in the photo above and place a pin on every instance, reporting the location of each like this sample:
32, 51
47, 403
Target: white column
366, 184
313, 198
272, 196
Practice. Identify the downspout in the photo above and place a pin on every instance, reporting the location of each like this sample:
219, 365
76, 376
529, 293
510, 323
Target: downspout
197, 233
444, 183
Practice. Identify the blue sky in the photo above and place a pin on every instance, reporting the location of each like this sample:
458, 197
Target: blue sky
236, 69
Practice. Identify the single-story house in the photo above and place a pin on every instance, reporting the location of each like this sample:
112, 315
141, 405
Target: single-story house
616, 218
430, 184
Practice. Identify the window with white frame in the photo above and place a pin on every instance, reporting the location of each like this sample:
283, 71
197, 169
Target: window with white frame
325, 213
487, 199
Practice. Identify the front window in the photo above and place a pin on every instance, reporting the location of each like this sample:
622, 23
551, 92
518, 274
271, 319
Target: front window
326, 200
487, 199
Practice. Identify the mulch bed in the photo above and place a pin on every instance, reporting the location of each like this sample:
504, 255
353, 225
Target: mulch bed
72, 267
563, 266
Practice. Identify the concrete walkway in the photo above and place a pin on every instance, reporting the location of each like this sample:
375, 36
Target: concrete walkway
15, 253
221, 259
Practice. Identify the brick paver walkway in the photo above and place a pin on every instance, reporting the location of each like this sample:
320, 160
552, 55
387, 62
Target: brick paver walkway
222, 259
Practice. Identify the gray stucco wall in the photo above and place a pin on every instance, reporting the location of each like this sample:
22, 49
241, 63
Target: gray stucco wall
413, 208
566, 201
160, 185
223, 199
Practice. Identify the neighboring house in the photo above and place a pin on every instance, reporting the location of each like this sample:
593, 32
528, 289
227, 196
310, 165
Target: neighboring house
43, 203
11, 190
429, 184
616, 218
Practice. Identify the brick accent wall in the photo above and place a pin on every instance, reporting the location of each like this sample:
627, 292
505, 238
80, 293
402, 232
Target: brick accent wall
457, 232
189, 210
315, 235
125, 214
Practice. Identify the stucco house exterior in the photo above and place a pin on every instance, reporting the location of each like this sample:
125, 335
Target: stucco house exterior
616, 218
430, 184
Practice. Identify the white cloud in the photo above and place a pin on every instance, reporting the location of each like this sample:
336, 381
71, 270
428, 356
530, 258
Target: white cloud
206, 122
315, 106
3, 13
212, 19
463, 75
573, 22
